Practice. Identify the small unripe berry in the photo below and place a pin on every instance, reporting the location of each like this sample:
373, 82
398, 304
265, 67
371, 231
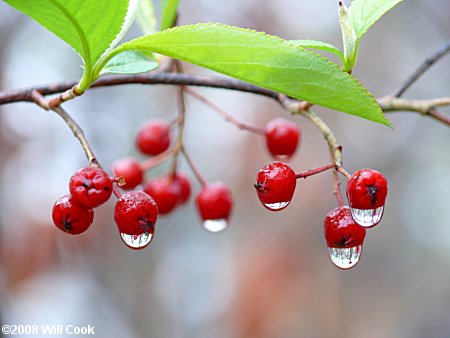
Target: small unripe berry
275, 185
136, 213
164, 192
130, 170
90, 187
153, 137
282, 137
71, 217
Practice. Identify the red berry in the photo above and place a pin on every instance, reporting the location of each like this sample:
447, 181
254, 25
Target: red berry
214, 202
130, 170
184, 186
164, 192
366, 193
275, 185
344, 237
90, 187
136, 213
153, 137
282, 137
341, 231
71, 217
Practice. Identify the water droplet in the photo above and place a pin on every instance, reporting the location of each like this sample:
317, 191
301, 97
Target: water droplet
345, 258
215, 225
277, 206
367, 217
137, 242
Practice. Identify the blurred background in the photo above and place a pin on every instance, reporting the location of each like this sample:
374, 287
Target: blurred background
268, 274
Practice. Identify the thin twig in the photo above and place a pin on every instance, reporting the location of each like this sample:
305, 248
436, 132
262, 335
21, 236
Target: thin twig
165, 78
194, 168
424, 66
162, 78
228, 117
71, 123
424, 107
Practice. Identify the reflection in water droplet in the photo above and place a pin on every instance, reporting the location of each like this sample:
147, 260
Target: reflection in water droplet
345, 258
215, 225
277, 206
367, 217
137, 242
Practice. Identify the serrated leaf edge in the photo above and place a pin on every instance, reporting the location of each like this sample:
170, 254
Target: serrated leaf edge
383, 119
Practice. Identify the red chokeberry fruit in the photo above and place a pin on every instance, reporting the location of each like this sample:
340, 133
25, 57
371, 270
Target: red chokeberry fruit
275, 185
90, 187
282, 137
153, 137
366, 192
344, 237
71, 217
130, 169
164, 192
184, 186
214, 204
136, 213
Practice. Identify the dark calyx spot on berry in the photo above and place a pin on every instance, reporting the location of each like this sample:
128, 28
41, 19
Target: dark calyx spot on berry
86, 183
260, 187
345, 241
372, 191
67, 224
106, 188
146, 226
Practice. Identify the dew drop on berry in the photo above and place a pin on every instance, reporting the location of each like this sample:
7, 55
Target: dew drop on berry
345, 258
276, 206
215, 225
137, 242
367, 217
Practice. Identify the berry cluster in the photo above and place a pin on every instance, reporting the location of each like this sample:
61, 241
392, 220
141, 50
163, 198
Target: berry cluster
345, 227
137, 210
89, 188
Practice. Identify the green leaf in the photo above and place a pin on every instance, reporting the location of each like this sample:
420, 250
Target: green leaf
90, 27
266, 61
364, 13
145, 17
169, 13
318, 45
130, 62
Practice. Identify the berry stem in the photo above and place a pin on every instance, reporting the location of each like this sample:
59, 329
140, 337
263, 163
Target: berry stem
71, 123
337, 188
194, 169
228, 117
157, 160
311, 172
343, 171
181, 103
116, 192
